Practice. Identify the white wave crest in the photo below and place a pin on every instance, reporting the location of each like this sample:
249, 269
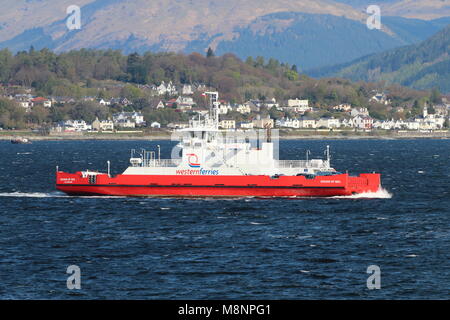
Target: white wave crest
50, 195
32, 195
380, 194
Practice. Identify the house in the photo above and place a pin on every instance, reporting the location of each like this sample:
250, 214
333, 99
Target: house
297, 103
347, 123
272, 103
263, 123
171, 103
308, 123
155, 125
184, 103
344, 107
161, 89
74, 126
363, 122
121, 101
227, 124
253, 105
41, 101
168, 88
288, 123
359, 112
103, 125
160, 105
298, 106
103, 102
246, 125
187, 90
328, 123
125, 123
224, 108
380, 98
25, 104
124, 118
243, 108
430, 121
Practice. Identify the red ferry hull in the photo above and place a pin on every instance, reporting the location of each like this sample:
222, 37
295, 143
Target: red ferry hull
216, 186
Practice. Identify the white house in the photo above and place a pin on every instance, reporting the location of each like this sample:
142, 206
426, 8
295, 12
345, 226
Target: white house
187, 90
76, 125
243, 108
298, 103
344, 107
135, 117
328, 123
184, 103
224, 108
227, 124
308, 123
160, 105
380, 98
363, 122
359, 112
246, 125
103, 102
155, 125
288, 123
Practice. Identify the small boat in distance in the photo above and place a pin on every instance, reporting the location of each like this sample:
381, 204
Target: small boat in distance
208, 165
20, 140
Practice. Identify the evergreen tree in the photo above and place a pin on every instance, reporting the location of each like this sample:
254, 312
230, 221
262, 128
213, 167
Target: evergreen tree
210, 53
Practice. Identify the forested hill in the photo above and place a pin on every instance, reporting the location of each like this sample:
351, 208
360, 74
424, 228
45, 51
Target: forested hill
422, 66
95, 73
65, 74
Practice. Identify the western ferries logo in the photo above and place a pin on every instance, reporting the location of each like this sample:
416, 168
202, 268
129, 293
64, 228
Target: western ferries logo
197, 170
193, 160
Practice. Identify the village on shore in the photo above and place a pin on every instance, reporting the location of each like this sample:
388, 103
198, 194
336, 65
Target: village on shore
292, 115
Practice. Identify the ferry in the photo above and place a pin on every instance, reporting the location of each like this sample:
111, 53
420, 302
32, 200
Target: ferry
209, 162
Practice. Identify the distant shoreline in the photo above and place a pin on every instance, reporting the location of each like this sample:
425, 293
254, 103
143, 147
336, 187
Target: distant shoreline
167, 136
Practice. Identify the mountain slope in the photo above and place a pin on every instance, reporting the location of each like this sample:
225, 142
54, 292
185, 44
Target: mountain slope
420, 9
309, 33
172, 22
422, 66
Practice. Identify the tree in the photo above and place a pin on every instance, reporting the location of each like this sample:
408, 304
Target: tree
210, 53
435, 96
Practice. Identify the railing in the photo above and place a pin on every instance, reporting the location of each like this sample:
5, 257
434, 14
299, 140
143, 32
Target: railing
168, 163
172, 163
317, 164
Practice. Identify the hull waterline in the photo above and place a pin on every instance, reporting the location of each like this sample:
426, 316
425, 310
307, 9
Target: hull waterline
218, 186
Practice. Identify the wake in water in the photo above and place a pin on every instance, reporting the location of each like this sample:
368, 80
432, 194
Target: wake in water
32, 195
49, 195
380, 194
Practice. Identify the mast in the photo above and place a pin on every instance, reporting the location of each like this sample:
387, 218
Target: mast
214, 106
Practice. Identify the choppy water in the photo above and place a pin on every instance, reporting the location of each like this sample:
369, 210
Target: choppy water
226, 249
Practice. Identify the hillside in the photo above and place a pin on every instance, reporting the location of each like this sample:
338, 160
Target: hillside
309, 33
422, 66
77, 75
419, 9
